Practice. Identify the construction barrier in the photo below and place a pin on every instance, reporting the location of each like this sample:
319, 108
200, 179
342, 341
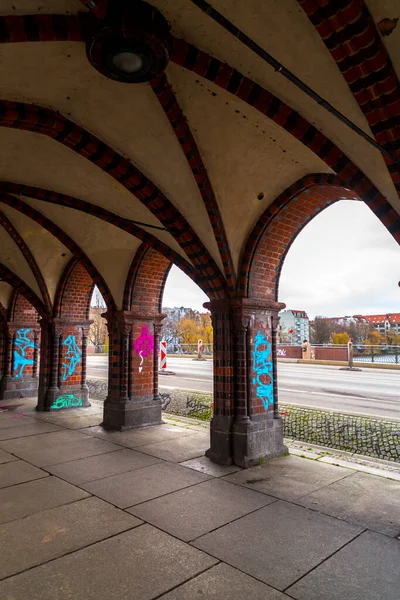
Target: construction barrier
163, 356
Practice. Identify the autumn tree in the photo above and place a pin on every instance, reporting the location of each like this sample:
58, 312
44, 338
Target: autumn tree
321, 330
375, 338
340, 338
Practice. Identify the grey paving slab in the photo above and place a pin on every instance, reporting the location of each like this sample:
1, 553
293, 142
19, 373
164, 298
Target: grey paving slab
5, 457
223, 582
33, 429
53, 533
139, 564
279, 543
204, 465
66, 452
289, 477
19, 471
367, 569
370, 501
180, 449
81, 422
16, 421
38, 442
139, 437
193, 511
144, 484
101, 466
19, 501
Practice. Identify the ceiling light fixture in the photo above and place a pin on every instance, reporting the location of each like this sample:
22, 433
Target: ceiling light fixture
132, 43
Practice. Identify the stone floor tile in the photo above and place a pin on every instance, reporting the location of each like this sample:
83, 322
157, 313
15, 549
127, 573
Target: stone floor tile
194, 511
20, 431
64, 453
144, 484
139, 564
355, 466
101, 466
5, 457
139, 437
289, 477
16, 421
304, 453
366, 569
180, 449
370, 501
279, 543
19, 471
39, 442
204, 465
81, 422
19, 501
52, 533
223, 582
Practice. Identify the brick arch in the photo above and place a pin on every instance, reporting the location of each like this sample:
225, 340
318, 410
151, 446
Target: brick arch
68, 242
44, 121
22, 311
277, 229
3, 313
74, 293
15, 282
146, 280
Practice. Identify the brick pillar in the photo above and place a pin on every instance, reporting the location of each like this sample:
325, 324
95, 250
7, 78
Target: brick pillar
246, 427
133, 399
62, 377
20, 356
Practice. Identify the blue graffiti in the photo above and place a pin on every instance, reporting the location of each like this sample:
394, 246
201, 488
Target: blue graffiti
262, 365
66, 401
21, 344
71, 358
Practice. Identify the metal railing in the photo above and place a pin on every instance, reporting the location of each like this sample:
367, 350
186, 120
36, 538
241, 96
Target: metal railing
376, 354
383, 353
189, 349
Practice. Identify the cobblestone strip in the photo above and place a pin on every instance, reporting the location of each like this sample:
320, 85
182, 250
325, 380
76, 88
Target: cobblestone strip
352, 433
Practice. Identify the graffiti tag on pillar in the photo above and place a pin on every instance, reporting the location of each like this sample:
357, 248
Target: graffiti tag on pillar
71, 358
21, 344
262, 365
144, 345
66, 401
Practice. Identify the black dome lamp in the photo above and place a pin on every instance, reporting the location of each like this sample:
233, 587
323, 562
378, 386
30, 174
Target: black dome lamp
132, 43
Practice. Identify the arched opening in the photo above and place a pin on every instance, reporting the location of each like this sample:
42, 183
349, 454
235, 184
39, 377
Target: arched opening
65, 339
186, 359
19, 345
328, 389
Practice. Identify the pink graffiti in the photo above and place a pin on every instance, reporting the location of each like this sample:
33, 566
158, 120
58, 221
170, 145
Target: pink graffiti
144, 344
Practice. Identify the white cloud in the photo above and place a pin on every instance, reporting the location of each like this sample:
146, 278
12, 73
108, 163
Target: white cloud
344, 262
180, 290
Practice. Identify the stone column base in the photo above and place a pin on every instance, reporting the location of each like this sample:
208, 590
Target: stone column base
12, 388
131, 414
257, 440
220, 450
66, 398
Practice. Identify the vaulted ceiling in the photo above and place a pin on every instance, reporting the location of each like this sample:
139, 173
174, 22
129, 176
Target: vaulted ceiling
189, 161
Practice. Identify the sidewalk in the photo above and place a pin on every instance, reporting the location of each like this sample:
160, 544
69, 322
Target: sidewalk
87, 514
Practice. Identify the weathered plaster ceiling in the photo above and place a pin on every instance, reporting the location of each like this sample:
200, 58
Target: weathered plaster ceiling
50, 254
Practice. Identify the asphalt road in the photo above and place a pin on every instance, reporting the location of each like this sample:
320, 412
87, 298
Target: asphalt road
370, 391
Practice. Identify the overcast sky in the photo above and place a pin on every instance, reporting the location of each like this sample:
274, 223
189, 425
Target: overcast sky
344, 262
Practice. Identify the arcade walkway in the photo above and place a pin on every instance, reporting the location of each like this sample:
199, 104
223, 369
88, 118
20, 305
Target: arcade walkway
138, 515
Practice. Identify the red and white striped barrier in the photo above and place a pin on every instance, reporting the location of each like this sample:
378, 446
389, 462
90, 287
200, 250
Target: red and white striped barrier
163, 356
